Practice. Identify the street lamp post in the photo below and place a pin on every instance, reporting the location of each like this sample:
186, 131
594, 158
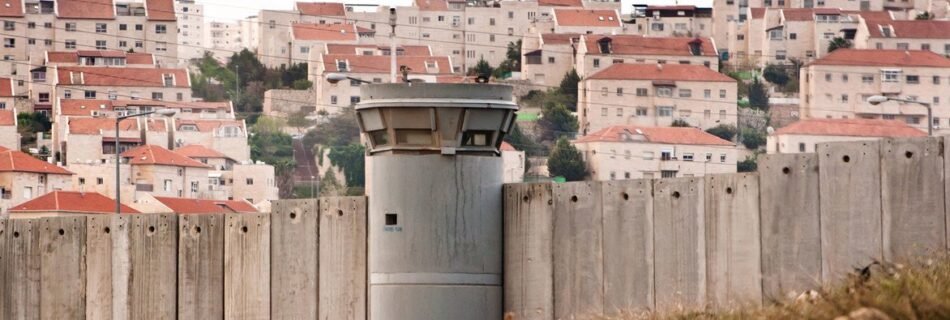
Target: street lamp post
118, 184
876, 100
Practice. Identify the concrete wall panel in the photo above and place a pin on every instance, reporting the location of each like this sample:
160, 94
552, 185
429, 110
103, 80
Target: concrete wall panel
578, 250
733, 251
628, 246
343, 258
247, 266
153, 256
294, 259
679, 243
201, 266
20, 274
912, 197
98, 260
529, 269
791, 247
849, 177
63, 269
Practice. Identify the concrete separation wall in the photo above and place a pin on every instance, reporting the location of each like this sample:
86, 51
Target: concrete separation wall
801, 221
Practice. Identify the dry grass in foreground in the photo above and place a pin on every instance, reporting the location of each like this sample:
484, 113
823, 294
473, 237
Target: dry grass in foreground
889, 291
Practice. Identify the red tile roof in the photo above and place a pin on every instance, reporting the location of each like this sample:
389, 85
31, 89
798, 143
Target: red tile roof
95, 126
155, 125
16, 161
560, 3
321, 9
160, 10
325, 32
757, 13
665, 135
883, 58
408, 50
432, 5
587, 17
669, 72
640, 45
911, 29
872, 15
6, 87
208, 125
123, 77
507, 147
156, 155
677, 7
73, 56
851, 128
199, 151
71, 202
559, 38
7, 118
380, 64
196, 206
139, 58
11, 8
85, 9
85, 107
808, 14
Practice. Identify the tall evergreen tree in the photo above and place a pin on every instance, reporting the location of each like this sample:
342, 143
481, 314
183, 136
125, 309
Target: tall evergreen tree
566, 161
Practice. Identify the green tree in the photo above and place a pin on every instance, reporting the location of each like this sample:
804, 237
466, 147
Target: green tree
568, 87
758, 95
482, 69
513, 54
926, 15
299, 120
566, 161
329, 185
680, 123
723, 131
302, 84
838, 43
775, 74
747, 165
338, 130
248, 67
275, 148
523, 142
351, 159
752, 139
556, 122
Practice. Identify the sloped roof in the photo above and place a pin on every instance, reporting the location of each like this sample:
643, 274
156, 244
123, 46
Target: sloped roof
72, 202
380, 64
432, 5
321, 9
198, 206
195, 151
123, 77
665, 135
156, 155
507, 147
160, 10
559, 38
669, 72
16, 161
73, 56
85, 107
208, 125
807, 14
85, 9
6, 88
11, 8
883, 58
325, 32
910, 29
408, 50
640, 45
560, 3
851, 128
7, 118
587, 17
95, 126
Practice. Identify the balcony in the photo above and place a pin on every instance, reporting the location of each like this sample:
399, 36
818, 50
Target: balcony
144, 187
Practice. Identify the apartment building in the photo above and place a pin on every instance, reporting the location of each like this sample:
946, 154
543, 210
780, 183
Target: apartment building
513, 163
277, 26
223, 39
230, 179
596, 52
635, 152
163, 173
75, 108
36, 26
9, 136
193, 206
67, 203
837, 86
930, 35
332, 97
547, 58
94, 58
191, 29
23, 177
156, 84
312, 36
250, 32
655, 95
588, 21
92, 140
805, 135
8, 94
672, 21
228, 137
777, 36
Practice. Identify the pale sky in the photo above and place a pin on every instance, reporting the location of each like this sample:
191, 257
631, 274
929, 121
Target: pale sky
233, 10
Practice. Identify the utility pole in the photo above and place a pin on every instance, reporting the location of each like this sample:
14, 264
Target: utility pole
392, 45
237, 81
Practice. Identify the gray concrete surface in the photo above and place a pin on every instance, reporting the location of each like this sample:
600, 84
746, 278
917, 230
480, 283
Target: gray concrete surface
98, 262
733, 251
628, 246
63, 270
247, 266
342, 258
201, 266
679, 241
914, 217
578, 250
152, 277
529, 269
294, 259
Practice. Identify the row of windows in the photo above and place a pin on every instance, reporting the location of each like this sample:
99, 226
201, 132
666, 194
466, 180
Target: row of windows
664, 92
662, 112
906, 46
886, 76
665, 155
596, 62
844, 98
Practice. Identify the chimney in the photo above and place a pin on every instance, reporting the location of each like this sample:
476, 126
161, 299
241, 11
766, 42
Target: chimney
659, 66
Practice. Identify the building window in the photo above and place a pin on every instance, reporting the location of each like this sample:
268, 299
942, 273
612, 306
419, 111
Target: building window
138, 44
780, 55
603, 112
619, 92
167, 185
82, 181
354, 99
913, 79
89, 94
844, 98
686, 93
123, 27
123, 44
667, 174
664, 92
936, 79
722, 94
43, 97
9, 26
687, 157
249, 181
9, 43
792, 36
707, 94
722, 114
70, 26
160, 28
867, 78
157, 96
113, 95
620, 112
100, 44
722, 157
801, 147
903, 46
596, 63
890, 76
664, 111
642, 92
550, 59
101, 28
31, 25
333, 99
641, 112
68, 94
828, 77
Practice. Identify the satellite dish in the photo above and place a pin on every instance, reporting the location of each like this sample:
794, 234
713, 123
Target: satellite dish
770, 130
